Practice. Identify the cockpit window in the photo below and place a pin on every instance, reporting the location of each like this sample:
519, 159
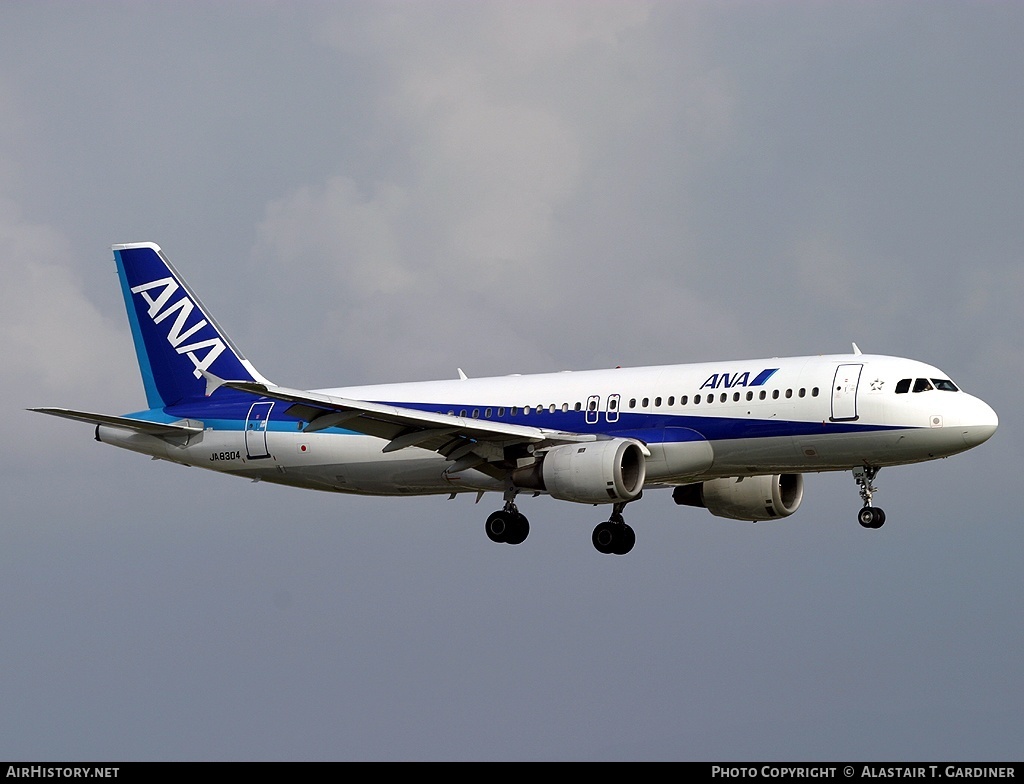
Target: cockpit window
924, 385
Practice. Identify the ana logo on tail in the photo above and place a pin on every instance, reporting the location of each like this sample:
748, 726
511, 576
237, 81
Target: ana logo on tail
160, 311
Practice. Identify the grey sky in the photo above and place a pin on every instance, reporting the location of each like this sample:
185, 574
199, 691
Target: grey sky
369, 192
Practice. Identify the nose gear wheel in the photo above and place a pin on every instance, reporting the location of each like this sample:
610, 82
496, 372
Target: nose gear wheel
869, 516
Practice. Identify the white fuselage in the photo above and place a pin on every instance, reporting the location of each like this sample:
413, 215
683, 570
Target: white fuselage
697, 422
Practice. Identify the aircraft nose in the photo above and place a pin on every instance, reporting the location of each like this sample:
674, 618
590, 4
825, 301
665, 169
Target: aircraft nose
979, 423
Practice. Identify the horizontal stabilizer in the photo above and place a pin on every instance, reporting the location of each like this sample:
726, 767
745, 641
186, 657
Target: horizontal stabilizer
138, 425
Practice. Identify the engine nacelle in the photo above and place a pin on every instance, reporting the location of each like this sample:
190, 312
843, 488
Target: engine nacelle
595, 472
746, 497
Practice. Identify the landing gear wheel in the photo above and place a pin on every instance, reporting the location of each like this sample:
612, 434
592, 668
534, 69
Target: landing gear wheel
611, 538
497, 526
519, 531
871, 517
627, 538
604, 538
506, 527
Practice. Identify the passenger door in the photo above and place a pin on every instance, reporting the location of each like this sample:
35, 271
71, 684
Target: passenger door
256, 431
844, 393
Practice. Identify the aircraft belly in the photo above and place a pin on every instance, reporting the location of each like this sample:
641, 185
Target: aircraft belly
825, 452
401, 477
342, 462
740, 456
916, 444
834, 451
678, 462
356, 464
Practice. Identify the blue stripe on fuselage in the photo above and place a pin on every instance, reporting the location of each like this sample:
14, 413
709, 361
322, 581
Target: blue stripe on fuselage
231, 412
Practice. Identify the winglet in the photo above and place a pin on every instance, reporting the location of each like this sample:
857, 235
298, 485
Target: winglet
856, 349
462, 375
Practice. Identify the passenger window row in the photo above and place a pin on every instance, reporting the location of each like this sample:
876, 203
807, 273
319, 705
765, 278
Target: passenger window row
723, 397
670, 401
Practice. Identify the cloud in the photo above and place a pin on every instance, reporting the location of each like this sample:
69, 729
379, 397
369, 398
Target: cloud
333, 236
59, 349
523, 132
56, 340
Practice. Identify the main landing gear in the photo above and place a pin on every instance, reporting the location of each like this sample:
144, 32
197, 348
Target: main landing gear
869, 516
614, 537
508, 525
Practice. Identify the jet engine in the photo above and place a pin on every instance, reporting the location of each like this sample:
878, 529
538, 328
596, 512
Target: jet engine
745, 497
595, 472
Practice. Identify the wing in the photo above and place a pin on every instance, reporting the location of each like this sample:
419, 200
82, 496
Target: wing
471, 443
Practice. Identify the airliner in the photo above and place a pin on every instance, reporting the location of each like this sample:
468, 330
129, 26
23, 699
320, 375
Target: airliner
735, 437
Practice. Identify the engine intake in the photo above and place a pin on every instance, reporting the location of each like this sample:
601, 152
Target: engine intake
597, 472
745, 497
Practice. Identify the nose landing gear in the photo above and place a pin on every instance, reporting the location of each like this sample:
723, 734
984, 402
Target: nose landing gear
869, 516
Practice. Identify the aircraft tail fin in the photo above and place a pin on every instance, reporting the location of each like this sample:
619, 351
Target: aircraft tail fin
176, 339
